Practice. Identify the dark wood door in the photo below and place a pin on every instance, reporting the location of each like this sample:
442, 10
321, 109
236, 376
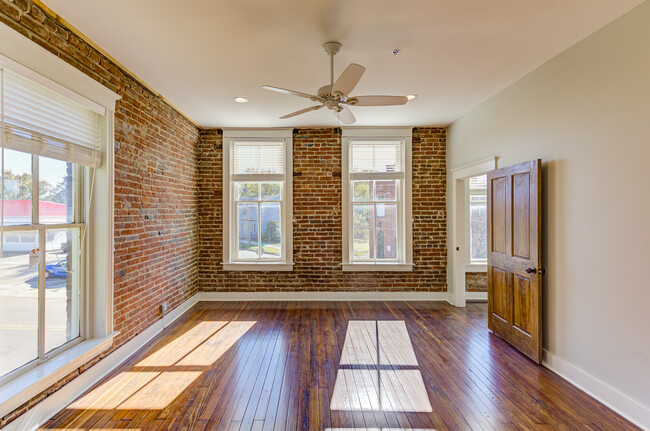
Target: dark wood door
514, 256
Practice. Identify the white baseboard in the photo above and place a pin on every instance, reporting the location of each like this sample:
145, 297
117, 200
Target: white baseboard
619, 402
476, 296
43, 411
323, 296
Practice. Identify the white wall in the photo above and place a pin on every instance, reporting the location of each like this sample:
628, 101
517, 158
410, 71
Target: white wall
586, 114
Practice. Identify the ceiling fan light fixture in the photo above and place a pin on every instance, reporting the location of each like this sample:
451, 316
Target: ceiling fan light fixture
240, 99
411, 96
335, 95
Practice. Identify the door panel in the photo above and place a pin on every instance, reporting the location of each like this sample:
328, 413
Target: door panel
521, 215
522, 304
499, 208
514, 256
501, 297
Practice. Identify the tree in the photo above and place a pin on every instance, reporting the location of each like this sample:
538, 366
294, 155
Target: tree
17, 186
271, 234
61, 193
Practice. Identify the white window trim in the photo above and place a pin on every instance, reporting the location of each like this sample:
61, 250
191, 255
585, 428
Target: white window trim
406, 237
285, 134
25, 57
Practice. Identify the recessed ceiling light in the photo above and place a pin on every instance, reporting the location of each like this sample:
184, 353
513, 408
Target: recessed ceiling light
240, 99
411, 96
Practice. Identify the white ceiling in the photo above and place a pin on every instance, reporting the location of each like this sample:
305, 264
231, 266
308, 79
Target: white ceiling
199, 54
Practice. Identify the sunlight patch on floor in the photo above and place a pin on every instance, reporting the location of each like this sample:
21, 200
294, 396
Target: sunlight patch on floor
179, 347
212, 349
379, 370
160, 378
160, 392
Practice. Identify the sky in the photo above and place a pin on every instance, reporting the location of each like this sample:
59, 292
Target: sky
52, 171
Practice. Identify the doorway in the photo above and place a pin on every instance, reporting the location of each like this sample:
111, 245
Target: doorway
465, 258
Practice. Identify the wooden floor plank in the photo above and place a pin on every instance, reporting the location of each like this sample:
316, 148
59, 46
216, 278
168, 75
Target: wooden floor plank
333, 365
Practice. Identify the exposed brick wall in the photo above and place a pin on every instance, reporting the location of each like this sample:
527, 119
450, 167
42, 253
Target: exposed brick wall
155, 185
317, 228
476, 281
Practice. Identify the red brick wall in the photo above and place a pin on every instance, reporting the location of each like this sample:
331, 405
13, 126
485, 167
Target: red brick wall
317, 213
476, 281
155, 184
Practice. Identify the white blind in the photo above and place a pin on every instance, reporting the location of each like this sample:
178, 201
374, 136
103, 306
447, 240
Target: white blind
376, 158
251, 160
478, 183
40, 121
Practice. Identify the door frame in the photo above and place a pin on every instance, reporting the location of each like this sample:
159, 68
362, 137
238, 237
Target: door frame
458, 226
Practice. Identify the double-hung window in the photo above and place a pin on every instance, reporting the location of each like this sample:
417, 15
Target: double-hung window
56, 219
257, 179
47, 142
376, 199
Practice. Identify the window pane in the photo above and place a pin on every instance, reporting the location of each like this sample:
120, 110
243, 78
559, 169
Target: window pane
362, 190
18, 301
55, 191
271, 191
361, 231
271, 235
18, 188
61, 287
248, 230
478, 218
386, 223
385, 190
249, 191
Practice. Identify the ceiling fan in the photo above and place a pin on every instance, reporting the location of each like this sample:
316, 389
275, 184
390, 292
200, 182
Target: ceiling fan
335, 95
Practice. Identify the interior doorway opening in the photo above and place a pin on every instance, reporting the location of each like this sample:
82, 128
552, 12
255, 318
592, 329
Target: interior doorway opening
468, 264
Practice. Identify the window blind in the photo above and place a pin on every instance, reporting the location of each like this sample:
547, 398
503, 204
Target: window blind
255, 161
376, 159
39, 121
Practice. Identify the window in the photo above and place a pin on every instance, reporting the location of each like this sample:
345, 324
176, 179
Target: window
377, 199
477, 219
56, 261
258, 200
46, 140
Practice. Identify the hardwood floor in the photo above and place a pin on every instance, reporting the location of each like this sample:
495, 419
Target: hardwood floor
335, 366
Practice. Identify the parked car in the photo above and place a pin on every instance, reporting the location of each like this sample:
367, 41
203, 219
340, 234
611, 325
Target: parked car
56, 269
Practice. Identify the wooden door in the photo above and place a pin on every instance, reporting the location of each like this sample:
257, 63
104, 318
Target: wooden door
514, 256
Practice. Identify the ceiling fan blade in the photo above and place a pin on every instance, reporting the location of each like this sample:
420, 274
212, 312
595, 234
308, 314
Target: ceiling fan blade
345, 115
302, 111
348, 79
378, 100
290, 92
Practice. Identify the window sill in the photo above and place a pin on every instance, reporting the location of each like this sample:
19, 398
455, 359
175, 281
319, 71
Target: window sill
377, 266
16, 392
258, 266
476, 267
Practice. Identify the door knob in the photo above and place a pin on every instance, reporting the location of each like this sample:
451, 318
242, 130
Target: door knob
531, 270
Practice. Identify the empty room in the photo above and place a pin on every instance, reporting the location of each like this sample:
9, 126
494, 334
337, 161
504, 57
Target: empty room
324, 215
